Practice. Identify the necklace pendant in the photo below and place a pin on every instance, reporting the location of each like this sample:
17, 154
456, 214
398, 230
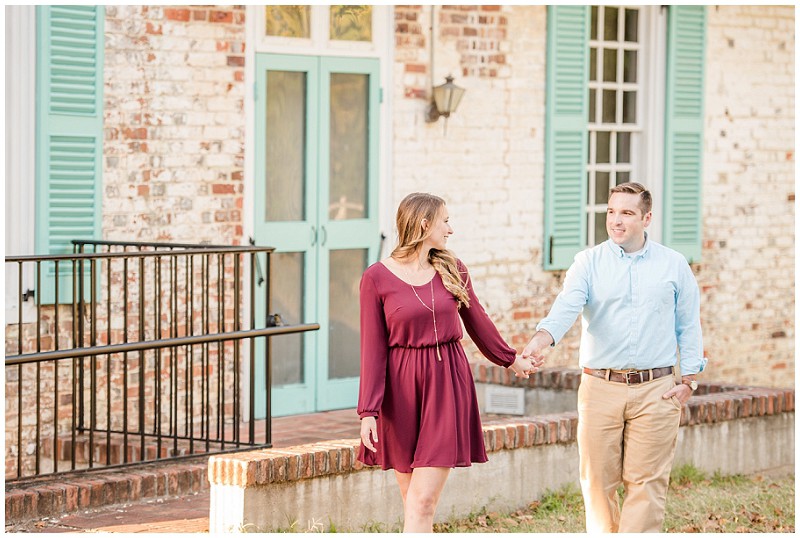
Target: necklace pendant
438, 354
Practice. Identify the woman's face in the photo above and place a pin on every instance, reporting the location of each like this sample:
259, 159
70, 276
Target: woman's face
440, 230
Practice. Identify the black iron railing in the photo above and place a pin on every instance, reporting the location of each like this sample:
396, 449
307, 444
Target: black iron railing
136, 352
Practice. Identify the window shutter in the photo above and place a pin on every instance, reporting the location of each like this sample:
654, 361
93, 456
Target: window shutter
566, 134
684, 130
69, 131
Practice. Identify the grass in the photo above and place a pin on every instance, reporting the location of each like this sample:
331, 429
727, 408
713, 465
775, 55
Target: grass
696, 502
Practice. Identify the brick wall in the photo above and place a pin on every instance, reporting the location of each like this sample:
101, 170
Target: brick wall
747, 273
174, 123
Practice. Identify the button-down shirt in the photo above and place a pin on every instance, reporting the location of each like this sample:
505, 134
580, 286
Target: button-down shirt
637, 309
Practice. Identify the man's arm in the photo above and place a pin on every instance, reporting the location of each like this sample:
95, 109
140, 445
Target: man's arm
688, 334
566, 307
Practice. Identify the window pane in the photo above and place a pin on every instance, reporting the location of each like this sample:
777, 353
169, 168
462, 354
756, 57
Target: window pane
594, 22
629, 107
287, 300
610, 65
286, 146
349, 149
592, 106
351, 23
610, 26
623, 147
632, 25
609, 106
629, 68
288, 21
593, 64
601, 187
600, 233
344, 346
603, 147
623, 177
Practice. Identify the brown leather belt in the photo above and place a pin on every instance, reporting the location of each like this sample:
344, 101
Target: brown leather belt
629, 377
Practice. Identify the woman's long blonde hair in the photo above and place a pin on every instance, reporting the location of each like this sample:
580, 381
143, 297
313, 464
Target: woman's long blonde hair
412, 210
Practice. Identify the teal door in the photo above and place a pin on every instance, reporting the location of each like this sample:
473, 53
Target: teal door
316, 203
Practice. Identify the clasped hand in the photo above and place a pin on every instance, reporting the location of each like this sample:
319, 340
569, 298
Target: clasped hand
525, 366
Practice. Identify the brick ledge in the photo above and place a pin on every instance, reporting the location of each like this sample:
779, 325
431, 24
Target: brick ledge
713, 402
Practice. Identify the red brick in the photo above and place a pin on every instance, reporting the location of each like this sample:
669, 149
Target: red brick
488, 440
14, 505
222, 188
235, 61
70, 497
30, 501
221, 16
134, 487
279, 469
522, 435
318, 461
511, 437
500, 441
200, 15
177, 14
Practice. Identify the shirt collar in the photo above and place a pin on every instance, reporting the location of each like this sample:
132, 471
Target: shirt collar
619, 252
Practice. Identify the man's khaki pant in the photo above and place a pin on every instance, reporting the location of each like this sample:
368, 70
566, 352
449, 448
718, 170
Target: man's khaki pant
626, 435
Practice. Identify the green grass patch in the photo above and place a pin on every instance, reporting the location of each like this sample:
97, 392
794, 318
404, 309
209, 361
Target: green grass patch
696, 502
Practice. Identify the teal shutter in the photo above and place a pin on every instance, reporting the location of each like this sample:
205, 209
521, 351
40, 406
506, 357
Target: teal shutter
684, 130
69, 131
566, 134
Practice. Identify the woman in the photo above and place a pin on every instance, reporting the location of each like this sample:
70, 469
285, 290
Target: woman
417, 402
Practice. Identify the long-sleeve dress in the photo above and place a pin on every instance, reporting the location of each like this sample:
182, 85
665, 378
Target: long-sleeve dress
426, 408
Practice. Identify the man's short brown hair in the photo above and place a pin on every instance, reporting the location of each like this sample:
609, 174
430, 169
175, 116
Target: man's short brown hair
645, 198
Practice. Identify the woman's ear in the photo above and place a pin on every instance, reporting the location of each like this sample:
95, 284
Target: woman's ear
424, 225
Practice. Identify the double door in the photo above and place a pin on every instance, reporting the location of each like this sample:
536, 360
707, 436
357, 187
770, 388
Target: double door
316, 202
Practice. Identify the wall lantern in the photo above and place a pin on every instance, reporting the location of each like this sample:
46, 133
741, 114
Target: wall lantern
446, 98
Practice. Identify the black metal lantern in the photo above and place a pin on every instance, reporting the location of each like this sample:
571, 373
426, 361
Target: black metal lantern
446, 98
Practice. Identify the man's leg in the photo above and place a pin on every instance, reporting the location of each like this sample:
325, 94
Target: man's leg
601, 406
651, 434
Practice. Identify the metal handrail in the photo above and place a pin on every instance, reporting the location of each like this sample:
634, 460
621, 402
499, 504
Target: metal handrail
157, 336
74, 353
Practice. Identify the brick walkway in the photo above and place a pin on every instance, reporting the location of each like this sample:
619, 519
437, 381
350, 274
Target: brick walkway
189, 513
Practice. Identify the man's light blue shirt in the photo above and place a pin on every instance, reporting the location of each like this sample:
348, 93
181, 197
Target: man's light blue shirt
638, 309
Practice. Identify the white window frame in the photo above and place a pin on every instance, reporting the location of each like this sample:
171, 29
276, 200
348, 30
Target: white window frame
320, 44
647, 141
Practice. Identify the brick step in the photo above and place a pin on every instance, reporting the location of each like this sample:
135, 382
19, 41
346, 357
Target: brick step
110, 451
64, 494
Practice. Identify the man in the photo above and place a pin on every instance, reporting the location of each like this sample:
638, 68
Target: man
640, 303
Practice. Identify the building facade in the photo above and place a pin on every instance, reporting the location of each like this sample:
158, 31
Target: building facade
302, 127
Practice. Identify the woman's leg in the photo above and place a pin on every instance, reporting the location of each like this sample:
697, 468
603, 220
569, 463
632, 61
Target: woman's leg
422, 497
403, 480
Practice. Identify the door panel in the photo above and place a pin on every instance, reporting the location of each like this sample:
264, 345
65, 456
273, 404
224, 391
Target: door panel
316, 202
285, 218
348, 191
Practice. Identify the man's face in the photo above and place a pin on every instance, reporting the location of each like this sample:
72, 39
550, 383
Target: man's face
625, 222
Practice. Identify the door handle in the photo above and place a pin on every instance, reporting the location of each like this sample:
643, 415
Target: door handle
313, 235
324, 236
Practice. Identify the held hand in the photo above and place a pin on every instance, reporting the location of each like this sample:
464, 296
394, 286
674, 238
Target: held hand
522, 367
682, 392
540, 341
369, 431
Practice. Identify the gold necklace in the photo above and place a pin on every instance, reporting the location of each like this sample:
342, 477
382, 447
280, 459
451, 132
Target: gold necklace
431, 308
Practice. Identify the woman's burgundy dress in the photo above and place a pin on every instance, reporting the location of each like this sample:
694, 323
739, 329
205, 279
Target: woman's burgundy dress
426, 409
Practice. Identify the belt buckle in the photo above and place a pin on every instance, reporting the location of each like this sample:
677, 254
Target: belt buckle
628, 375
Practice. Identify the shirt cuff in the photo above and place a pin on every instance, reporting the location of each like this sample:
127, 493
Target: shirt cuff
364, 414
